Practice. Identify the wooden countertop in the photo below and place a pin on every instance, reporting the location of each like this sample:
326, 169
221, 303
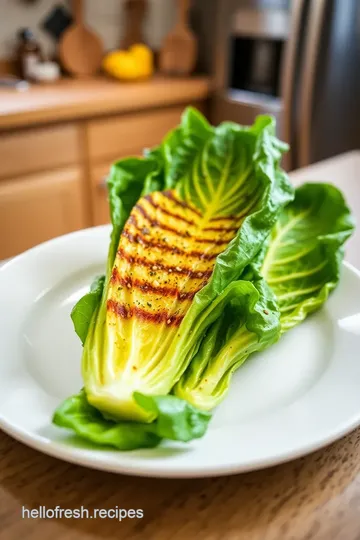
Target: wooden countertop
71, 99
313, 498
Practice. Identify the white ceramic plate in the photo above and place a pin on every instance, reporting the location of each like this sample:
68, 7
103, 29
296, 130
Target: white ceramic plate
298, 396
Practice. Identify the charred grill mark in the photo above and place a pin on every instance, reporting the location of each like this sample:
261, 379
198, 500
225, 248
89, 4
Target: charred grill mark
170, 195
119, 309
147, 287
190, 222
154, 223
164, 291
167, 212
183, 271
143, 212
140, 239
127, 312
163, 227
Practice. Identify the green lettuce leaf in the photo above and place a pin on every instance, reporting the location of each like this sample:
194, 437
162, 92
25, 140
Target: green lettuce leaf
176, 420
302, 263
249, 322
182, 145
243, 177
85, 308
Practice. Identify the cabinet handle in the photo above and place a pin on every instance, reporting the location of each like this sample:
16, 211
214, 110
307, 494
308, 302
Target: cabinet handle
103, 182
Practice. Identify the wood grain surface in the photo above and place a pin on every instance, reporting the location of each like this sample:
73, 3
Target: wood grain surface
70, 99
314, 498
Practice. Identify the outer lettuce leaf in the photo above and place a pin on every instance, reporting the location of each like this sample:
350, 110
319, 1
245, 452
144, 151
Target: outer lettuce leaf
302, 263
176, 420
77, 415
249, 323
83, 311
182, 145
251, 157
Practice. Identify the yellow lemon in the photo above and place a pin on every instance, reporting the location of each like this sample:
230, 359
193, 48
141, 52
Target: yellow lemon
142, 52
144, 57
135, 64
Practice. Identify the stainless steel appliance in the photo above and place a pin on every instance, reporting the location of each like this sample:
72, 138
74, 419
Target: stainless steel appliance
296, 59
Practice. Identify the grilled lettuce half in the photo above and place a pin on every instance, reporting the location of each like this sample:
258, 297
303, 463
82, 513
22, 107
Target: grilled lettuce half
301, 263
188, 218
178, 251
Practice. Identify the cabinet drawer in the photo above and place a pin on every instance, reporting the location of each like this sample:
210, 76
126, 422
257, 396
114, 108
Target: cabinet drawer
31, 150
129, 135
39, 207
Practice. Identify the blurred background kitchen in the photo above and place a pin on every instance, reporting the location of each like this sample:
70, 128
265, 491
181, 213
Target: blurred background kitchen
84, 83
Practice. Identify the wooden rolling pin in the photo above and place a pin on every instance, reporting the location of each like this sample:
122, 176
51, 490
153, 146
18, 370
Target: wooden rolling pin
178, 55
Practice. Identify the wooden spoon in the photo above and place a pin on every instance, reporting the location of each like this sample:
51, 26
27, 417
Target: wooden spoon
179, 52
135, 11
80, 49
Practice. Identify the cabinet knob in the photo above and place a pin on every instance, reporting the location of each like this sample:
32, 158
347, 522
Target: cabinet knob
103, 182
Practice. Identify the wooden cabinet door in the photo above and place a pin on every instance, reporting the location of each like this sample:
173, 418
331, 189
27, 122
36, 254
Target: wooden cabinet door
128, 135
39, 207
27, 151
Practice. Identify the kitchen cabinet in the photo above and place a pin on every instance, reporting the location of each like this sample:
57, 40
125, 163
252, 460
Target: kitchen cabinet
38, 149
130, 134
38, 207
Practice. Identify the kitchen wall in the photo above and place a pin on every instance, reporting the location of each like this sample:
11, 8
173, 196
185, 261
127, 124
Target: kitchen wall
105, 16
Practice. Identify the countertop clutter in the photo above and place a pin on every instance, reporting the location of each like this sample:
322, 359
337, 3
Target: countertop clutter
313, 498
